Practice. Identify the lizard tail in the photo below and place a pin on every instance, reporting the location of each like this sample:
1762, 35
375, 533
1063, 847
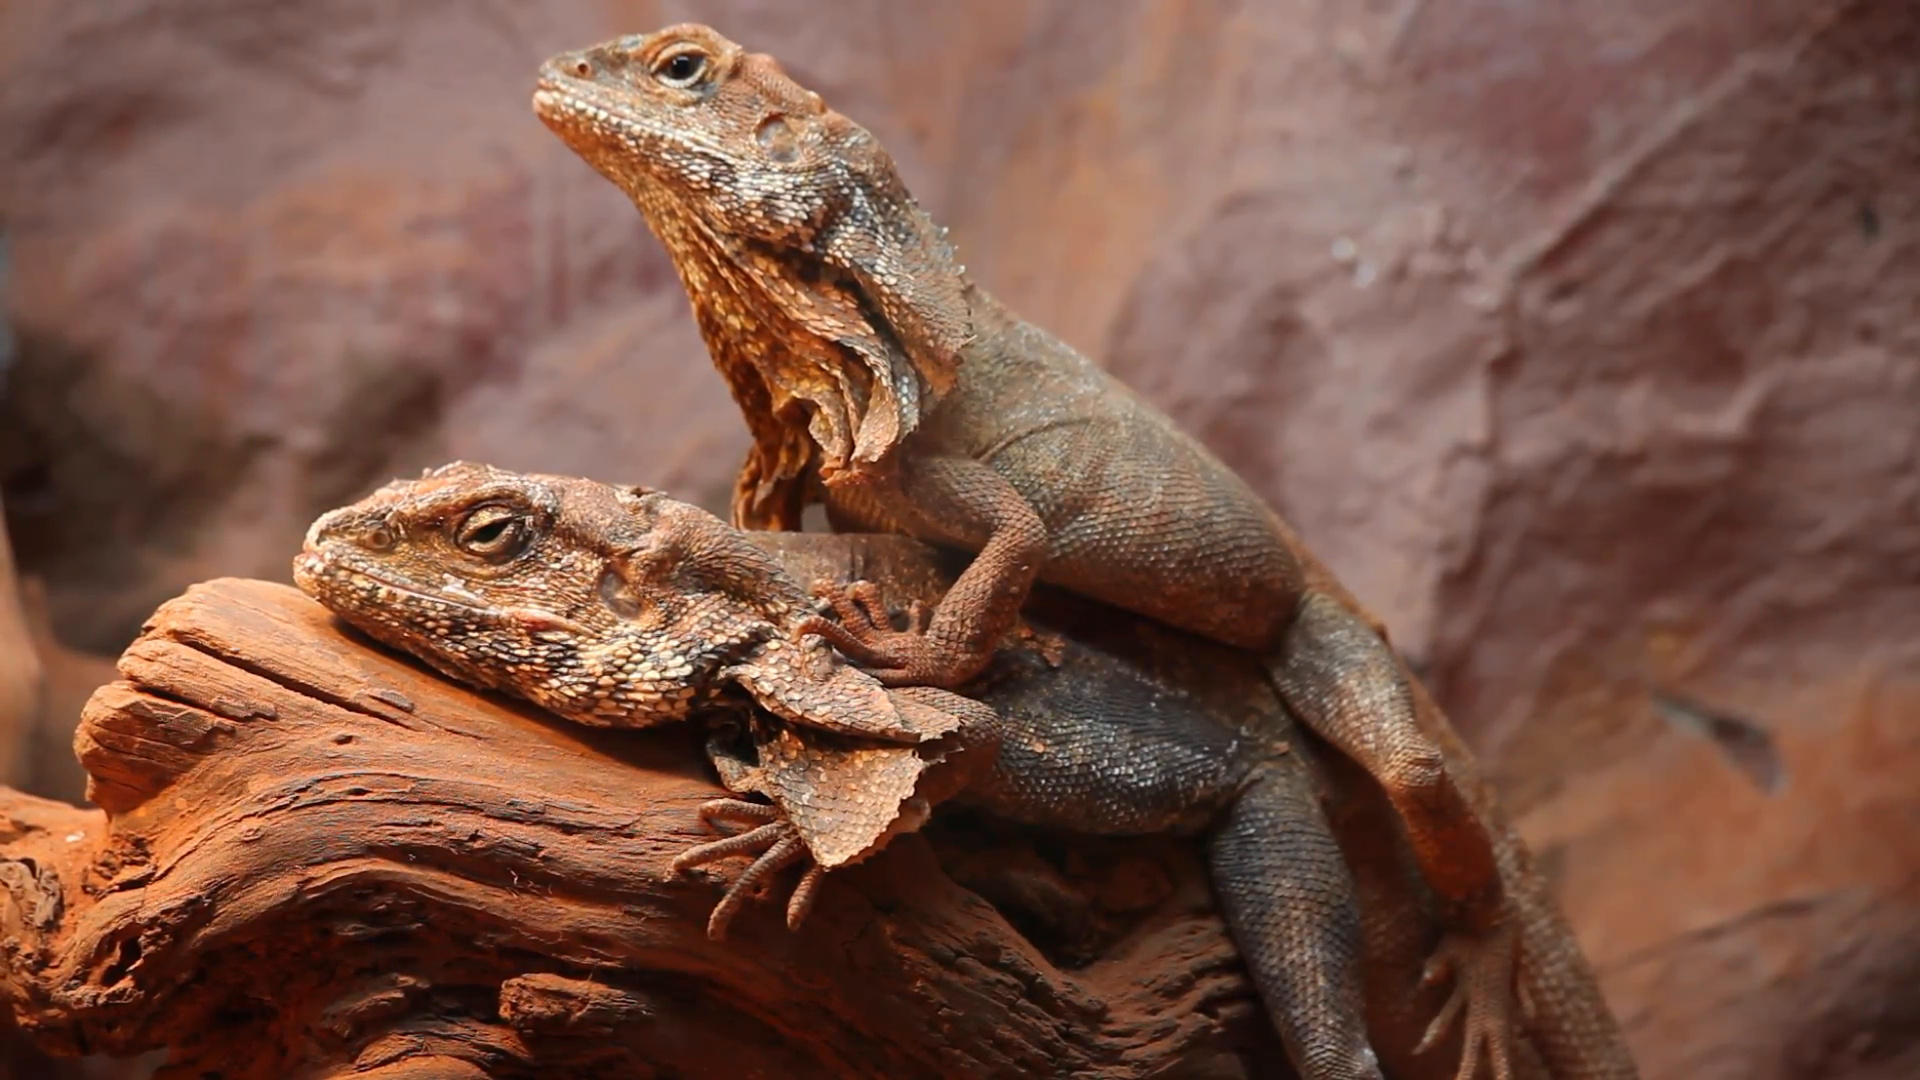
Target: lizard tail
1289, 902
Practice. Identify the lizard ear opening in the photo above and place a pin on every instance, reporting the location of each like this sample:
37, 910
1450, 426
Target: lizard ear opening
617, 592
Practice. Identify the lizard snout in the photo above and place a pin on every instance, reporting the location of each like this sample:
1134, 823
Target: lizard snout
323, 529
348, 525
595, 64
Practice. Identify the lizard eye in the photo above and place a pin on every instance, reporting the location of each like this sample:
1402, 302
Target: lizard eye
494, 533
681, 69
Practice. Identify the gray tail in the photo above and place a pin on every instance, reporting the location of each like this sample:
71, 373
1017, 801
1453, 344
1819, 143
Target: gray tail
1289, 902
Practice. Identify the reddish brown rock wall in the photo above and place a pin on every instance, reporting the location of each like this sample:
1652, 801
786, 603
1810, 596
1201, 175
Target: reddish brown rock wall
1580, 338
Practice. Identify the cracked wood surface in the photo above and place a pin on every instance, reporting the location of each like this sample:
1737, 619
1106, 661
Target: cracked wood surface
314, 859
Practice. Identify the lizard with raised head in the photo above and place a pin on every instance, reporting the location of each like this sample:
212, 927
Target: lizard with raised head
621, 607
876, 378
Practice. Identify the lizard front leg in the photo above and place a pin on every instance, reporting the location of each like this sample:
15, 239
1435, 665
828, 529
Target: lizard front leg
949, 497
775, 845
1343, 681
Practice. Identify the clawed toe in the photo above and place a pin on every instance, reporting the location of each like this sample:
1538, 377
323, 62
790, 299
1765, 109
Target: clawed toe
859, 606
773, 843
863, 631
1486, 992
785, 850
919, 617
737, 810
752, 842
801, 902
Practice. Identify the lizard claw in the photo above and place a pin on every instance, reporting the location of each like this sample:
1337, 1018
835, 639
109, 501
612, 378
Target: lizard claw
774, 843
857, 604
866, 635
1487, 990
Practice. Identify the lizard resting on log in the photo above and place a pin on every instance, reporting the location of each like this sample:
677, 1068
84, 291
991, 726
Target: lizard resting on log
310, 858
876, 378
622, 607
1107, 724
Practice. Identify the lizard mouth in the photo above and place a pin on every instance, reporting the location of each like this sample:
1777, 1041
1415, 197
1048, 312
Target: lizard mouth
586, 117
554, 103
347, 586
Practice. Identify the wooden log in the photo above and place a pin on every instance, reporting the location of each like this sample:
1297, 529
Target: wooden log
314, 858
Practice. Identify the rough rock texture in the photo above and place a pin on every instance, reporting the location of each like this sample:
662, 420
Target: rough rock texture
1579, 338
21, 675
304, 868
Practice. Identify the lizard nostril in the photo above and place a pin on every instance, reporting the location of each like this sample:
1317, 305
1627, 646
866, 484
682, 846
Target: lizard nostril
581, 68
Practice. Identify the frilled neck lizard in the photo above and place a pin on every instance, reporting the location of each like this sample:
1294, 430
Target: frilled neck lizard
878, 379
621, 607
1097, 723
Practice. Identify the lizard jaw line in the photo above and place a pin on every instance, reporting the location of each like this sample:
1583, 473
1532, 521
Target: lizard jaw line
578, 104
576, 109
319, 564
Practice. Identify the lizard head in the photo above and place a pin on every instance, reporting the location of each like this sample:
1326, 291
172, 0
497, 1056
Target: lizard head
823, 290
546, 587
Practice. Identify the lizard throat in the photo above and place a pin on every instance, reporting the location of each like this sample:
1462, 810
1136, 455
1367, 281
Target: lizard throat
817, 378
814, 318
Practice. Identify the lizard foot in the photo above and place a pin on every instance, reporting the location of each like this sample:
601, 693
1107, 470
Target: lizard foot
775, 845
1487, 988
866, 635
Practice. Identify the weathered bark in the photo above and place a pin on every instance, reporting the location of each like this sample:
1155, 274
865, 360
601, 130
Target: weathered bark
315, 859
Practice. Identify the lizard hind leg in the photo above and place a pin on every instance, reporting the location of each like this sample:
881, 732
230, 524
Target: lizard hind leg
774, 844
1336, 674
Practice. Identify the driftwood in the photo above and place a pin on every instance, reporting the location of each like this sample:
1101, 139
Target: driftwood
313, 858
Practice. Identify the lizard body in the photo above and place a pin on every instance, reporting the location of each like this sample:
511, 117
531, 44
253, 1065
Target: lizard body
877, 379
1083, 739
1122, 726
1572, 1033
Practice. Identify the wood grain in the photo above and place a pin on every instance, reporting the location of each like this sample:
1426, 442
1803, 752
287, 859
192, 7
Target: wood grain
314, 858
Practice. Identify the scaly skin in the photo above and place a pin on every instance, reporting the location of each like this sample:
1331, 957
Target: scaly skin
457, 566
658, 655
876, 378
620, 607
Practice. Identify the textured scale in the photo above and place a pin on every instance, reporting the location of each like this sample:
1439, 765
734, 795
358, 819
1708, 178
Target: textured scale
845, 799
614, 607
1120, 728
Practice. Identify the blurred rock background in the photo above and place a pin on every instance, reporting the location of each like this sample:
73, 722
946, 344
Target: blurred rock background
1582, 339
